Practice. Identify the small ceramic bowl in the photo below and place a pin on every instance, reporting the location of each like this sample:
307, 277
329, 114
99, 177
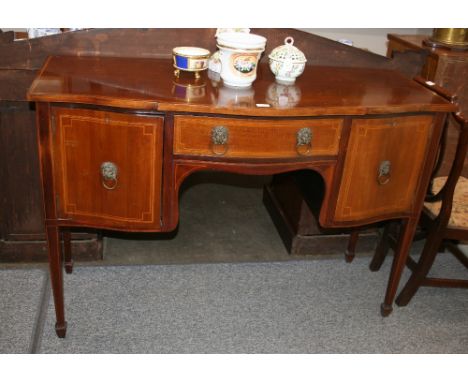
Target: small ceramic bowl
190, 59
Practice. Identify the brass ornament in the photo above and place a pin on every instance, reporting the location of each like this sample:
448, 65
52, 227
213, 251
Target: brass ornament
303, 141
219, 140
109, 172
448, 38
383, 176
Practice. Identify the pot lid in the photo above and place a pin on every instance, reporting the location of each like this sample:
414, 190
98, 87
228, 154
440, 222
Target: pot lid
288, 52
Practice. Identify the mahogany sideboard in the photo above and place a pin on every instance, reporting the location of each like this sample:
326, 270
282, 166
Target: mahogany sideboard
118, 136
22, 236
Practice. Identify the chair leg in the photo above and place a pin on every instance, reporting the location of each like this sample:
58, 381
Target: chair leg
453, 248
67, 256
422, 269
351, 250
382, 249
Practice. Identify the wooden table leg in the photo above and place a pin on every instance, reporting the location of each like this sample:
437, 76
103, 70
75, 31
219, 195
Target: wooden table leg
405, 240
56, 278
351, 250
67, 257
382, 249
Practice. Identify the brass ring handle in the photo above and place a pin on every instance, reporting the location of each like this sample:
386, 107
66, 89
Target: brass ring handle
109, 172
383, 176
219, 140
304, 139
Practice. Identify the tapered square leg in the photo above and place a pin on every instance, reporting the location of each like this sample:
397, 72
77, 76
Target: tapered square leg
61, 329
351, 250
382, 249
401, 254
67, 255
56, 278
385, 310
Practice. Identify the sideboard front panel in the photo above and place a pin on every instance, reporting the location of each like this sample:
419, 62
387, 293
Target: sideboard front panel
382, 166
108, 167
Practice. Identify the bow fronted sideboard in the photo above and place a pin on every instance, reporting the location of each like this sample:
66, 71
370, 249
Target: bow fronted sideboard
22, 234
118, 136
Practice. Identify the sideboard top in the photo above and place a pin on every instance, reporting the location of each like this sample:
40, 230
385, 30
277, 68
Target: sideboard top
149, 84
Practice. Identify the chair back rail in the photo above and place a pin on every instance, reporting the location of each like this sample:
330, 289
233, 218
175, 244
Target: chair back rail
446, 192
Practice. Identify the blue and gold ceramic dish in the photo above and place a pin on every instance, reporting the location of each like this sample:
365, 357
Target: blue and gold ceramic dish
190, 59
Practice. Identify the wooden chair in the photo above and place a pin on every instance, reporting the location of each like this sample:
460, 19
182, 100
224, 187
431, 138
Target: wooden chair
444, 219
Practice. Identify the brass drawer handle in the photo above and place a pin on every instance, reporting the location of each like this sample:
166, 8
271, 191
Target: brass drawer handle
304, 141
109, 172
383, 176
219, 140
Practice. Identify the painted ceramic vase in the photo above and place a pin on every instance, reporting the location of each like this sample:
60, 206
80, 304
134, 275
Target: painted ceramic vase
287, 62
239, 54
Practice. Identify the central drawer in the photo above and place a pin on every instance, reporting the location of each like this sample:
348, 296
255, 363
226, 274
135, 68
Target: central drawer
256, 138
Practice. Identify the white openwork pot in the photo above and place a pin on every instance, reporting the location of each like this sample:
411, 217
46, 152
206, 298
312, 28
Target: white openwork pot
287, 62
